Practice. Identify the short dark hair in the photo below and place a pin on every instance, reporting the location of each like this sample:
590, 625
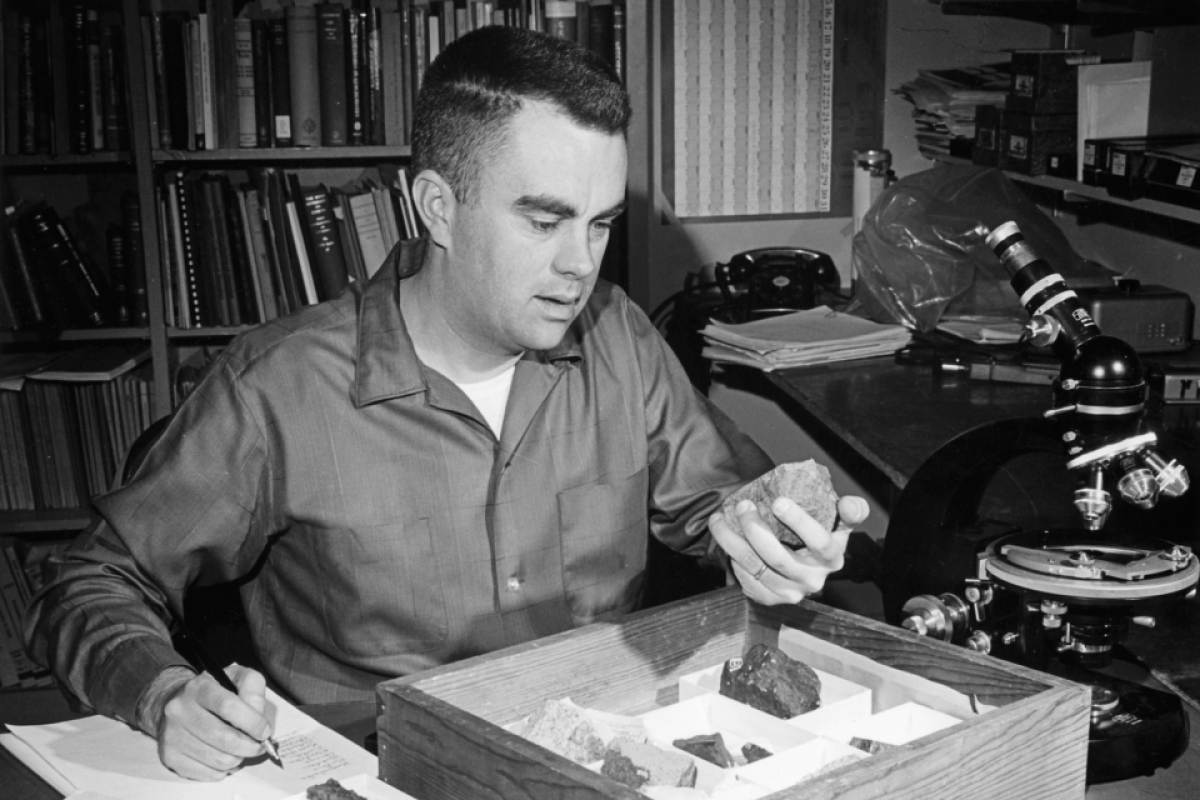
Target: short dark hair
481, 80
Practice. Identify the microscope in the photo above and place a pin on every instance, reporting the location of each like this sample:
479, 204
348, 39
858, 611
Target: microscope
1058, 598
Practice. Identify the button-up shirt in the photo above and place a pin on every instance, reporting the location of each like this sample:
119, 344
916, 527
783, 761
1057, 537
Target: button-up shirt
378, 525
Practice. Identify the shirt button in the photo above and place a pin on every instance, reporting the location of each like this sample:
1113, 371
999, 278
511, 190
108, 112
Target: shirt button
514, 584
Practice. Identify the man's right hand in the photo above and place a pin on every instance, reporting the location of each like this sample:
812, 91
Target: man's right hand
205, 732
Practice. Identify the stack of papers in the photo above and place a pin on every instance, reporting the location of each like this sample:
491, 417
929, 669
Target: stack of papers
944, 103
816, 336
98, 758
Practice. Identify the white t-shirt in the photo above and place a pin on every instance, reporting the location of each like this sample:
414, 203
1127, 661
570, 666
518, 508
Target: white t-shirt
491, 397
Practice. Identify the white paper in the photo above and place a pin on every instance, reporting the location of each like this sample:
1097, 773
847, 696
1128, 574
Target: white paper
102, 755
1114, 100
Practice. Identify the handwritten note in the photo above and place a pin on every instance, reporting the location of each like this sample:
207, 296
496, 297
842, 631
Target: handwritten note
107, 757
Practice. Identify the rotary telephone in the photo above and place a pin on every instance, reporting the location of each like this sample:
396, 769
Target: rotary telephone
775, 280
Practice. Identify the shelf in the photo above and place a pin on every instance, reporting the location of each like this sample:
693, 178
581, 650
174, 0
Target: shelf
76, 335
1076, 192
46, 521
1109, 14
308, 155
206, 333
68, 161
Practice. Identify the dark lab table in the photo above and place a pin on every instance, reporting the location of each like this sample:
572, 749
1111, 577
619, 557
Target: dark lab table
894, 417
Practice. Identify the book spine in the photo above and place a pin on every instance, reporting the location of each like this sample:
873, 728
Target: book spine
561, 19
80, 109
217, 259
289, 274
174, 222
375, 110
420, 51
255, 256
118, 275
245, 297
208, 85
131, 219
160, 82
112, 48
193, 295
63, 265
405, 70
618, 40
263, 255
243, 50
300, 233
305, 76
260, 39
173, 33
328, 260
95, 78
281, 87
369, 229
28, 297
167, 242
332, 55
355, 47
390, 52
195, 83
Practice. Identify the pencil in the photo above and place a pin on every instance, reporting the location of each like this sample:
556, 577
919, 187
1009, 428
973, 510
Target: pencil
201, 658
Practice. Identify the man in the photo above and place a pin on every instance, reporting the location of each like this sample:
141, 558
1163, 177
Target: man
464, 454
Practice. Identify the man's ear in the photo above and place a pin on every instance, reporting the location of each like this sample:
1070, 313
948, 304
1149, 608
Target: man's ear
436, 204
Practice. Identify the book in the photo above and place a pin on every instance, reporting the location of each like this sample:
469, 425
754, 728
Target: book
71, 282
332, 64
269, 183
301, 239
341, 212
21, 277
131, 218
118, 275
328, 260
369, 229
561, 19
218, 260
375, 109
355, 30
113, 88
304, 76
245, 300
392, 77
206, 102
97, 362
260, 41
174, 29
255, 234
78, 81
281, 84
243, 52
186, 280
91, 35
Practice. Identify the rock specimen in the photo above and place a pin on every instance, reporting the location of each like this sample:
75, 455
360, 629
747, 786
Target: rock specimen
807, 483
331, 790
772, 681
752, 752
709, 746
563, 728
638, 764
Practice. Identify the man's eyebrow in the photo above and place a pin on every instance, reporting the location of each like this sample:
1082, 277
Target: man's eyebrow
546, 205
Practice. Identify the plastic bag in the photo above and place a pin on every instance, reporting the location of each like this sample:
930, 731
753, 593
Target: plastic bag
921, 254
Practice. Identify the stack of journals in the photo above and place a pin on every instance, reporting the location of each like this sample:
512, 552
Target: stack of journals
944, 105
816, 336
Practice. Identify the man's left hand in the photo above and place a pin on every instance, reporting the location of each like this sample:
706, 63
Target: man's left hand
773, 574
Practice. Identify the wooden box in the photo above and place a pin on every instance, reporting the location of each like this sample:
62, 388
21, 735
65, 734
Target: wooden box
441, 732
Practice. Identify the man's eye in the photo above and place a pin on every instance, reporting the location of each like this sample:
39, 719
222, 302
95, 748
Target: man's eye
544, 225
602, 227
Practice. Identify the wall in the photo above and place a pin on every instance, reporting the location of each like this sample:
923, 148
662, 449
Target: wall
918, 37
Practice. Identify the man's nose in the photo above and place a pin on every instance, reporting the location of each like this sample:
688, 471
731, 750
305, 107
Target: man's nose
576, 259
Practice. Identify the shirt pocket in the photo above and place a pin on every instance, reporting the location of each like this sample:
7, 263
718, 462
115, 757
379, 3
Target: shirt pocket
382, 590
604, 530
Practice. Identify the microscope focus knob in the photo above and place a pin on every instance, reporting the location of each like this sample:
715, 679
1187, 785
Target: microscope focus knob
943, 617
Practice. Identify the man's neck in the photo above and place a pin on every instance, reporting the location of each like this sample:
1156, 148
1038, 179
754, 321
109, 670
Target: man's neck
438, 345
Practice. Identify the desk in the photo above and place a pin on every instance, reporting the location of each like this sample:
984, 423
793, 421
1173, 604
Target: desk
896, 416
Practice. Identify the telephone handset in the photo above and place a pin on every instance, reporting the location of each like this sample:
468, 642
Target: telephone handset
776, 280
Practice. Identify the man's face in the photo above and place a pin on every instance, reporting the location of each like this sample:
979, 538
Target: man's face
524, 252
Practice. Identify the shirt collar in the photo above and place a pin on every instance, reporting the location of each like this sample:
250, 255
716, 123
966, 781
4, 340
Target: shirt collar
387, 364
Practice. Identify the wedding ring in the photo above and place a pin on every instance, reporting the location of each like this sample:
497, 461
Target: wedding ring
760, 572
